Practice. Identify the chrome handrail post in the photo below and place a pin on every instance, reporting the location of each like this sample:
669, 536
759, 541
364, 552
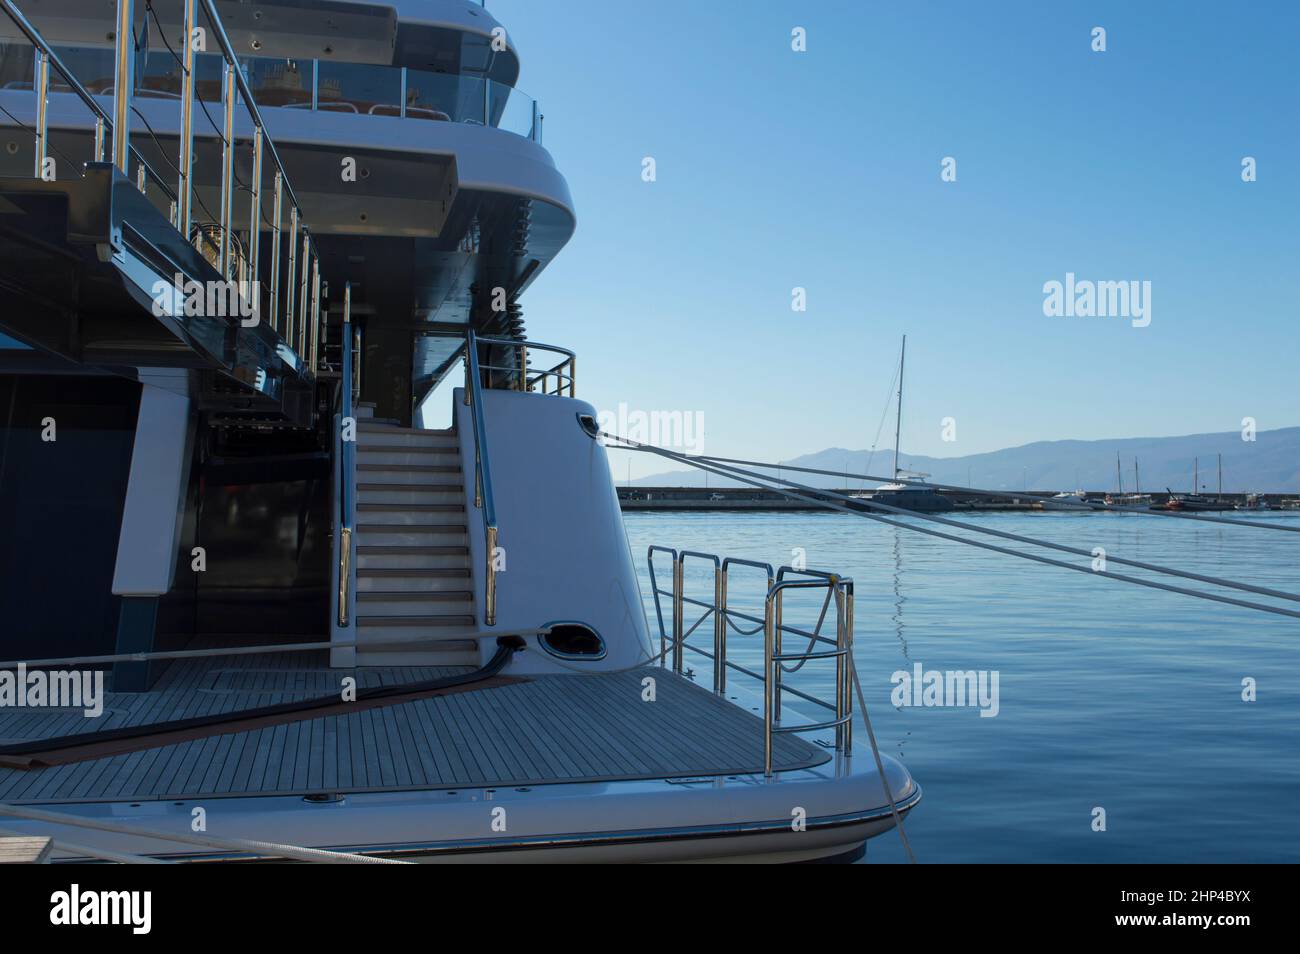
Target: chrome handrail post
841, 662
277, 211
769, 688
291, 276
490, 581
776, 672
255, 219
184, 183
478, 480
123, 84
679, 580
523, 367
99, 138
847, 735
468, 389
720, 629
303, 303
42, 108
345, 570
227, 165
315, 312
358, 359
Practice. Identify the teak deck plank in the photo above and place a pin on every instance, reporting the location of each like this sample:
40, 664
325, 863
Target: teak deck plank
561, 728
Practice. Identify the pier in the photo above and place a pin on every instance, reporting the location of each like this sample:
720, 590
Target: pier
753, 499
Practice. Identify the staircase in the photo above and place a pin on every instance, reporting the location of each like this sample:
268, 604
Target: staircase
413, 565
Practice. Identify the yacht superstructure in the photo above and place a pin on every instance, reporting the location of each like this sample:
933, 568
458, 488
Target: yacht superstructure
240, 245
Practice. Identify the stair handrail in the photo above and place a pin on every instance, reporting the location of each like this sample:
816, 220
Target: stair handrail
347, 463
482, 476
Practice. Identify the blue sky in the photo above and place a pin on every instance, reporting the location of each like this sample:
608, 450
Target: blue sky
821, 169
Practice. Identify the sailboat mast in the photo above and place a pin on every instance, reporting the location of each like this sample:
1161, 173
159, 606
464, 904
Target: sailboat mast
1119, 476
898, 422
1220, 477
1137, 482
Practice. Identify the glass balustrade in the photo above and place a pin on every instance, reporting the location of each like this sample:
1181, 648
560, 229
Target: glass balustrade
319, 85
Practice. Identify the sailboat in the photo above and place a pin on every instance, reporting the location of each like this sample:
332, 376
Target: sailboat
1196, 500
1121, 499
913, 494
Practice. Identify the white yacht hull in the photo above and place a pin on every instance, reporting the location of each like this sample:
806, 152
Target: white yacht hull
823, 812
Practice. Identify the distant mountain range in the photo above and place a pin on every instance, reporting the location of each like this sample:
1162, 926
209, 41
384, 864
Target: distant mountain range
1269, 464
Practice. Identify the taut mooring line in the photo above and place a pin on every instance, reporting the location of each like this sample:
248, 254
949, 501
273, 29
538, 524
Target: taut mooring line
1063, 505
756, 480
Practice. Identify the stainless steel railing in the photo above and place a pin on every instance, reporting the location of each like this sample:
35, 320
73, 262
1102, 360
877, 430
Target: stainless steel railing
300, 282
838, 589
233, 81
46, 57
482, 475
564, 374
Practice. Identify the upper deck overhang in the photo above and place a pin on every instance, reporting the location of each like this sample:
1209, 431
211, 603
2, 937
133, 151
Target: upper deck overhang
438, 215
87, 268
426, 29
413, 178
450, 36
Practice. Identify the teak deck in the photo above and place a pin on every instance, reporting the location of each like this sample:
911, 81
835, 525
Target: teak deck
563, 728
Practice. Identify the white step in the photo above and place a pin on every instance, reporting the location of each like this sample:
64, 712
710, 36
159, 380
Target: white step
411, 515
456, 604
436, 649
412, 558
386, 435
430, 582
363, 412
410, 494
374, 628
404, 457
449, 535
373, 469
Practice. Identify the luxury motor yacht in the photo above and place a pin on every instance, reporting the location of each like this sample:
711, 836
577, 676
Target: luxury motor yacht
241, 245
1066, 501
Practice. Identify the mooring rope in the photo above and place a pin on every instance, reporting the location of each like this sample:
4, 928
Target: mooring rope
1037, 498
90, 851
294, 852
762, 481
390, 642
1034, 541
880, 765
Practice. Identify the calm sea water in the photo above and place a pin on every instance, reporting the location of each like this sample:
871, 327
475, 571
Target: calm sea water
1111, 695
